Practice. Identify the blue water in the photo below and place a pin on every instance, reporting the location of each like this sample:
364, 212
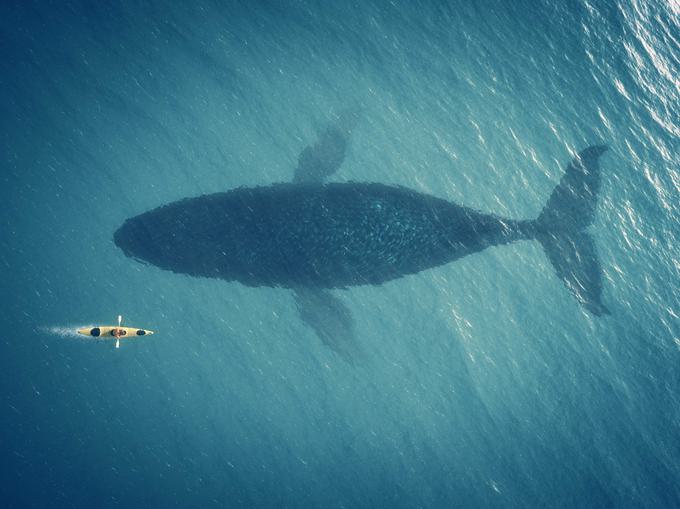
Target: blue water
481, 383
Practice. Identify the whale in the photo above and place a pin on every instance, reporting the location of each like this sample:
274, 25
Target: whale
314, 236
339, 235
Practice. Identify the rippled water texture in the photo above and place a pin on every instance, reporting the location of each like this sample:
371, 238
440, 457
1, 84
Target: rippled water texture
479, 383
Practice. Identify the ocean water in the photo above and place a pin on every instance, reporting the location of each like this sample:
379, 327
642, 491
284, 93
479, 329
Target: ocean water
481, 383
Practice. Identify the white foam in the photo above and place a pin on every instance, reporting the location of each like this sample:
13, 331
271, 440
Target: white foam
64, 331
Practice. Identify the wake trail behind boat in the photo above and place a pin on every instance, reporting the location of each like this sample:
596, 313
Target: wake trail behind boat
64, 331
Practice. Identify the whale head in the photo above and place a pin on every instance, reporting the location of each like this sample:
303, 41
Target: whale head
138, 240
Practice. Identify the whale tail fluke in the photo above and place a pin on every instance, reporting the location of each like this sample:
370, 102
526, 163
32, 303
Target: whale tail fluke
560, 228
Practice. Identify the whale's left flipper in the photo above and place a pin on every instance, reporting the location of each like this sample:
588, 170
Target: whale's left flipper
324, 312
561, 229
330, 318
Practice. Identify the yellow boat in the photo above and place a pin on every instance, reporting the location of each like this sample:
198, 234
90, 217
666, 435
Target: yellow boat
114, 332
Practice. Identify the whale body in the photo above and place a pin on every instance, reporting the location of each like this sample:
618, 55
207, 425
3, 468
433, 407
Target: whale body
337, 235
319, 235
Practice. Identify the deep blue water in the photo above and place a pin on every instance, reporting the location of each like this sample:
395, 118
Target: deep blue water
481, 383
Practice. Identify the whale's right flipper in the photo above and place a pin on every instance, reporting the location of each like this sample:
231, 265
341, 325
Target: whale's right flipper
325, 157
324, 312
561, 229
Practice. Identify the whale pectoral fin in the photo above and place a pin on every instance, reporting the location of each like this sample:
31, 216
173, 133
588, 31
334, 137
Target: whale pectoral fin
330, 318
321, 310
325, 157
574, 257
324, 312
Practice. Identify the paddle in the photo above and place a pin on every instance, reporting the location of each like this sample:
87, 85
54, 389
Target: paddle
120, 320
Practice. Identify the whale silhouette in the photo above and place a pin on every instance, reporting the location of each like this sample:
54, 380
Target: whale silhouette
308, 235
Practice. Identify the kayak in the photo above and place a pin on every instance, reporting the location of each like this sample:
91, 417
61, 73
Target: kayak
108, 331
116, 332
